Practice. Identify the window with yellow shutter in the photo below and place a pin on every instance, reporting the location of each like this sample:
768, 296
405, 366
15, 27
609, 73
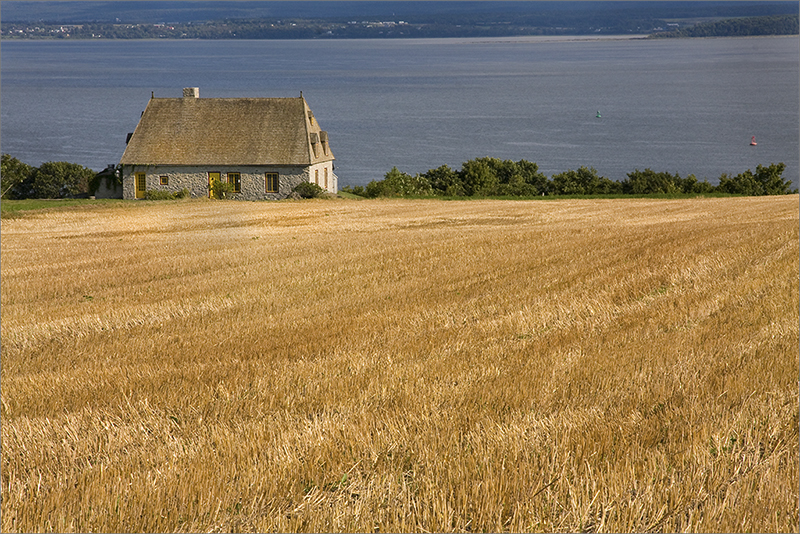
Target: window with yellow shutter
271, 179
235, 179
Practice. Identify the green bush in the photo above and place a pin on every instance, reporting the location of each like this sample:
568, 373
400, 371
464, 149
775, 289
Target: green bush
650, 182
527, 173
399, 184
691, 185
479, 177
54, 179
765, 181
647, 182
445, 181
379, 188
583, 182
221, 190
308, 190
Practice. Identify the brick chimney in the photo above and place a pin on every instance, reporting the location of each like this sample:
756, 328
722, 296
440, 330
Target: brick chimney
191, 92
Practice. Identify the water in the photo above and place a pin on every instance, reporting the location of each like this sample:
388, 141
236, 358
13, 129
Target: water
685, 106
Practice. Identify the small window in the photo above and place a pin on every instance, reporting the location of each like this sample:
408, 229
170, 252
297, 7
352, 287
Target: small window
235, 179
316, 176
164, 180
272, 182
326, 177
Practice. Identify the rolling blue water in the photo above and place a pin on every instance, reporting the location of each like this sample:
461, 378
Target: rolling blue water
686, 105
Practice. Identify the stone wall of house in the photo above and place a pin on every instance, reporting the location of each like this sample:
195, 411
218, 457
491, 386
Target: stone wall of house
195, 179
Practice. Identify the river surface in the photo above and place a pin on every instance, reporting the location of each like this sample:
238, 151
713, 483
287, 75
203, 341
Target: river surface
687, 106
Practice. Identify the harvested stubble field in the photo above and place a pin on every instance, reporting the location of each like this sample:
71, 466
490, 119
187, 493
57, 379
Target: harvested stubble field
585, 365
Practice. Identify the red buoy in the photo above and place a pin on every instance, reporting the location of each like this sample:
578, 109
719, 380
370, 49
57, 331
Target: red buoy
753, 141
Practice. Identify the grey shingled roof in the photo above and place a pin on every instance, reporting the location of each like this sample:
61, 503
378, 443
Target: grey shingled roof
226, 131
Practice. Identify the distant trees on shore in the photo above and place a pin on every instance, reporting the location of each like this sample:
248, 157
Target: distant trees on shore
740, 27
485, 177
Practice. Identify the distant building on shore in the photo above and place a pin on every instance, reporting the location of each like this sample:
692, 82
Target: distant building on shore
262, 147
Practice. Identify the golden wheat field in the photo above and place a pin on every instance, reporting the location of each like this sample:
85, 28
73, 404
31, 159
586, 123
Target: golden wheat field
396, 365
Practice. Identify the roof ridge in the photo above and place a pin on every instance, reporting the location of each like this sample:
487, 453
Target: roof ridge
309, 148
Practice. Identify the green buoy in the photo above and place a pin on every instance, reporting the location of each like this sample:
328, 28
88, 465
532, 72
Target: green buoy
598, 114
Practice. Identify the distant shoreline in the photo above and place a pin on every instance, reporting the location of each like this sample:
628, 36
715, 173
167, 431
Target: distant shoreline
511, 39
493, 39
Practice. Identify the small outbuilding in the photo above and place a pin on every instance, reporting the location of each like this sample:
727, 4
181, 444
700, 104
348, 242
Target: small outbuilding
262, 147
106, 183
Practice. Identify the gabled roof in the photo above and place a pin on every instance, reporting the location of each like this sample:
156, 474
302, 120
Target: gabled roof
227, 131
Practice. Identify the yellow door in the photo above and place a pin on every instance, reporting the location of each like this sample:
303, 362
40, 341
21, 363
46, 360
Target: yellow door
211, 177
141, 184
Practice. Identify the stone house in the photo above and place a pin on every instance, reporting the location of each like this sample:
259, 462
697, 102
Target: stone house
263, 147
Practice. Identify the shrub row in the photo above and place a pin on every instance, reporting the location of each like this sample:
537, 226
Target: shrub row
478, 177
54, 179
494, 177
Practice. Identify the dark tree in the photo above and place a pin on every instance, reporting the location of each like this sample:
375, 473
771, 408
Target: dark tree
479, 176
648, 182
765, 181
13, 173
445, 181
59, 179
535, 183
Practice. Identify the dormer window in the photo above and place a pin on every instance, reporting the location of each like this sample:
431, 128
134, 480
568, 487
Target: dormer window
323, 137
